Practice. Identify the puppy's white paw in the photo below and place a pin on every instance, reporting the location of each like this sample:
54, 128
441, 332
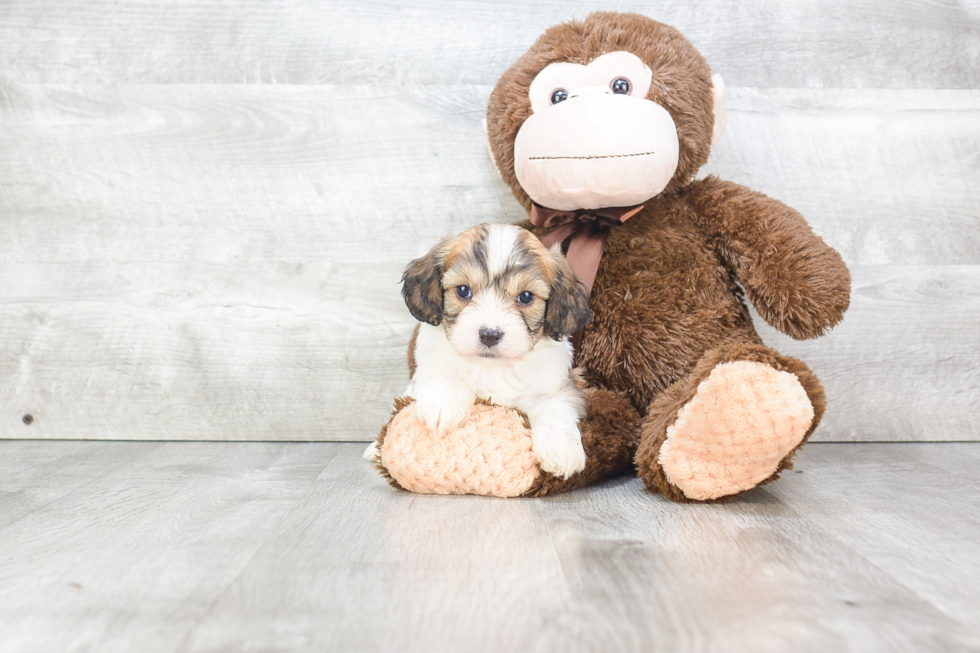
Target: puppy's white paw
372, 454
559, 451
442, 411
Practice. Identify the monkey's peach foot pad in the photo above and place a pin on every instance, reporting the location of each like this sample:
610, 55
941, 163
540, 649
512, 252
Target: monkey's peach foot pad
742, 421
488, 453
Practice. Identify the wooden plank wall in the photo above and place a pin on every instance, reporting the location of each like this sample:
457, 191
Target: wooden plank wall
205, 206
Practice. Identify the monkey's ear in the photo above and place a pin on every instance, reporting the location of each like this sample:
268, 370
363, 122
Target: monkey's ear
422, 287
567, 309
721, 117
486, 140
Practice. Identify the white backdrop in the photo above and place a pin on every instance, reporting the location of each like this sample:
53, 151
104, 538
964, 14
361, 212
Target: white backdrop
205, 207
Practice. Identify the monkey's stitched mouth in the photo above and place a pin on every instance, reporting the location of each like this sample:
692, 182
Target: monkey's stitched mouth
605, 156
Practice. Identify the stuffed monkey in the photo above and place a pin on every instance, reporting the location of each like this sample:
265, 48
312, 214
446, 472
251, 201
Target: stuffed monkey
598, 130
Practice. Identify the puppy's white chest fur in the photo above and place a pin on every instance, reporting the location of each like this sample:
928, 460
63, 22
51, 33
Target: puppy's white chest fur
512, 383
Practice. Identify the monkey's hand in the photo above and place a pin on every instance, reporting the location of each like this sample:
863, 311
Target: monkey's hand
798, 283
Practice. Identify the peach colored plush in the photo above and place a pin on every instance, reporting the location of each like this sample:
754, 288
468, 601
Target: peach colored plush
488, 453
743, 419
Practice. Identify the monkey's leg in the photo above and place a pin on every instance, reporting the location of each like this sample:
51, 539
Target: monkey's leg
489, 452
734, 423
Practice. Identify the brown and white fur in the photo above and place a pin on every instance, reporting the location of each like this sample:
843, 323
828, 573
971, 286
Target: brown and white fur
496, 309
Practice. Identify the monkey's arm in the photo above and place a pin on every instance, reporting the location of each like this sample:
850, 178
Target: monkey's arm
798, 283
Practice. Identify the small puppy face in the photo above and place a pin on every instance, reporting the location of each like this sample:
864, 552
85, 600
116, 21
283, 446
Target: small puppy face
496, 290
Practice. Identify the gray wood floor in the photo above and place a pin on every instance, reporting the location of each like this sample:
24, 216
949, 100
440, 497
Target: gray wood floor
187, 546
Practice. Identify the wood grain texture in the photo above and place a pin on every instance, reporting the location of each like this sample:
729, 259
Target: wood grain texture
805, 43
139, 552
28, 470
904, 364
303, 547
221, 262
215, 263
205, 207
933, 547
886, 177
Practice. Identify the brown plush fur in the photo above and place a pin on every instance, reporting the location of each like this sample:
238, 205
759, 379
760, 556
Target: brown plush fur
668, 304
797, 283
667, 289
664, 411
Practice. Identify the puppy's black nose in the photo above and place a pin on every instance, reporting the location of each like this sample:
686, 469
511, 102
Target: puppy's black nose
490, 337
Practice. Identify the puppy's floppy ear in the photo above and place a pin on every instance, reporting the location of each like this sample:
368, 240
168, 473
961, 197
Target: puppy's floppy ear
422, 287
567, 309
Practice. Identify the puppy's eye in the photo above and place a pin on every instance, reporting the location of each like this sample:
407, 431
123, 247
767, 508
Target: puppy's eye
559, 95
525, 297
621, 86
463, 292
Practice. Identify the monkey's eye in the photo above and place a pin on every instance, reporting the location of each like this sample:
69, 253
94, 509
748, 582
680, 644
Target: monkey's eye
463, 292
621, 86
525, 297
559, 95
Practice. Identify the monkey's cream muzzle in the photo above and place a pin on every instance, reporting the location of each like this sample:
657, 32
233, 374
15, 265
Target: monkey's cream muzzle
596, 150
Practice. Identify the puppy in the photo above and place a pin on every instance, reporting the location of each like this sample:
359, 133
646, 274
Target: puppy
496, 309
